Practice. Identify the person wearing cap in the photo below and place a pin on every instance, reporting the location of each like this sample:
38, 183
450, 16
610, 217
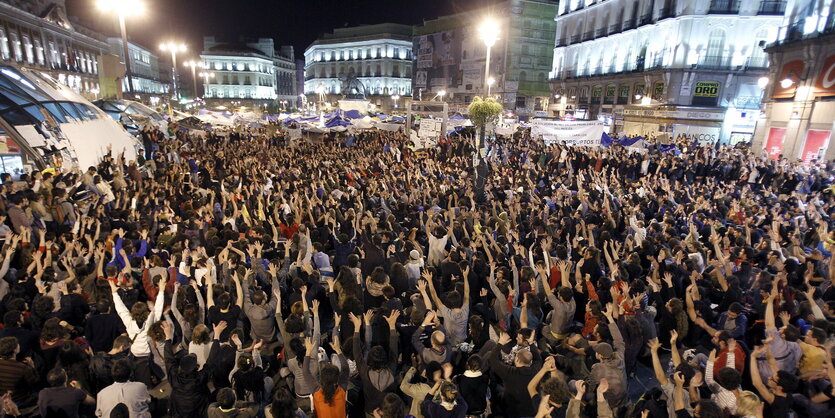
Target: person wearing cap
413, 267
611, 364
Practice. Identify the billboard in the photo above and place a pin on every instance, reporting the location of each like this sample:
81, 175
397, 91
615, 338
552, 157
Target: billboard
815, 145
774, 143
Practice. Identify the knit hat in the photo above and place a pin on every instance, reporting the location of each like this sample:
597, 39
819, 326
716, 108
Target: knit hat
604, 349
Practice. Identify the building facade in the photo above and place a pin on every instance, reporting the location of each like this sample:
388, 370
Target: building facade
451, 56
379, 56
248, 73
664, 68
37, 34
151, 79
798, 114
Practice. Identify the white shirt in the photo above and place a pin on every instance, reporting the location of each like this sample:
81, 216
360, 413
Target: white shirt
139, 336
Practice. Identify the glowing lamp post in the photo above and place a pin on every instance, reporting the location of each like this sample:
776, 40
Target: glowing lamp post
173, 48
488, 31
123, 8
490, 82
194, 65
395, 97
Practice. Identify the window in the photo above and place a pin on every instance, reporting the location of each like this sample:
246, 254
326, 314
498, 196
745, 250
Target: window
523, 76
27, 46
18, 54
4, 44
38, 50
521, 102
715, 48
247, 80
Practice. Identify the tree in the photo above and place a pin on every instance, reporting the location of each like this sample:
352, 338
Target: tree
482, 112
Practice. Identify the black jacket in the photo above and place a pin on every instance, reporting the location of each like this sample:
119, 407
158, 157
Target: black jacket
189, 391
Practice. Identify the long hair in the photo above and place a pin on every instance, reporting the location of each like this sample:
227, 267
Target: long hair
329, 380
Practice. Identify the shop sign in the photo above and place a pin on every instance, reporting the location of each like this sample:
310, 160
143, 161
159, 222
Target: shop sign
825, 84
706, 89
676, 114
697, 133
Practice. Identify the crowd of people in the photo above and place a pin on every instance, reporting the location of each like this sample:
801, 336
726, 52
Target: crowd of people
241, 276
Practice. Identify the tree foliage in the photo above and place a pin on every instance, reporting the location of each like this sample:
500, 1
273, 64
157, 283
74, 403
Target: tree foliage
484, 111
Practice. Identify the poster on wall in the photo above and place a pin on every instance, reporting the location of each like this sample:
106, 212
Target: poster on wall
774, 143
581, 133
815, 145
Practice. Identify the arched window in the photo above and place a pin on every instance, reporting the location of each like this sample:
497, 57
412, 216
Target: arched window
714, 54
523, 76
541, 76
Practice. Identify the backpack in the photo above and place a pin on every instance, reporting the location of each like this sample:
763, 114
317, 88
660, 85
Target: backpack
57, 212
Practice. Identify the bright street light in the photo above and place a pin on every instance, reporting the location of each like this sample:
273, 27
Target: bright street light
123, 8
395, 97
786, 83
441, 94
490, 82
762, 82
174, 48
488, 32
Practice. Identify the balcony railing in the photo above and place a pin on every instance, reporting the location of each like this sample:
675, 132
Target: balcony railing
715, 62
772, 7
665, 13
725, 7
575, 39
588, 35
629, 24
560, 42
599, 33
645, 19
615, 28
757, 62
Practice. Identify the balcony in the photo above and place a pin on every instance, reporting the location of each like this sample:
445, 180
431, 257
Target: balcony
575, 38
772, 7
757, 62
599, 33
724, 7
714, 62
615, 28
665, 13
560, 42
645, 19
629, 24
588, 35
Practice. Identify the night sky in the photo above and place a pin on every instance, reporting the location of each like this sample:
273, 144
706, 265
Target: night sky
297, 23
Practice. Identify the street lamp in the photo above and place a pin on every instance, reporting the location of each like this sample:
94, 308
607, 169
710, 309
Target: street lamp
206, 76
490, 82
194, 65
762, 82
441, 94
395, 97
173, 48
123, 8
786, 83
488, 31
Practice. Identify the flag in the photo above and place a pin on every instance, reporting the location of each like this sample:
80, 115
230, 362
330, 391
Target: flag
606, 140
